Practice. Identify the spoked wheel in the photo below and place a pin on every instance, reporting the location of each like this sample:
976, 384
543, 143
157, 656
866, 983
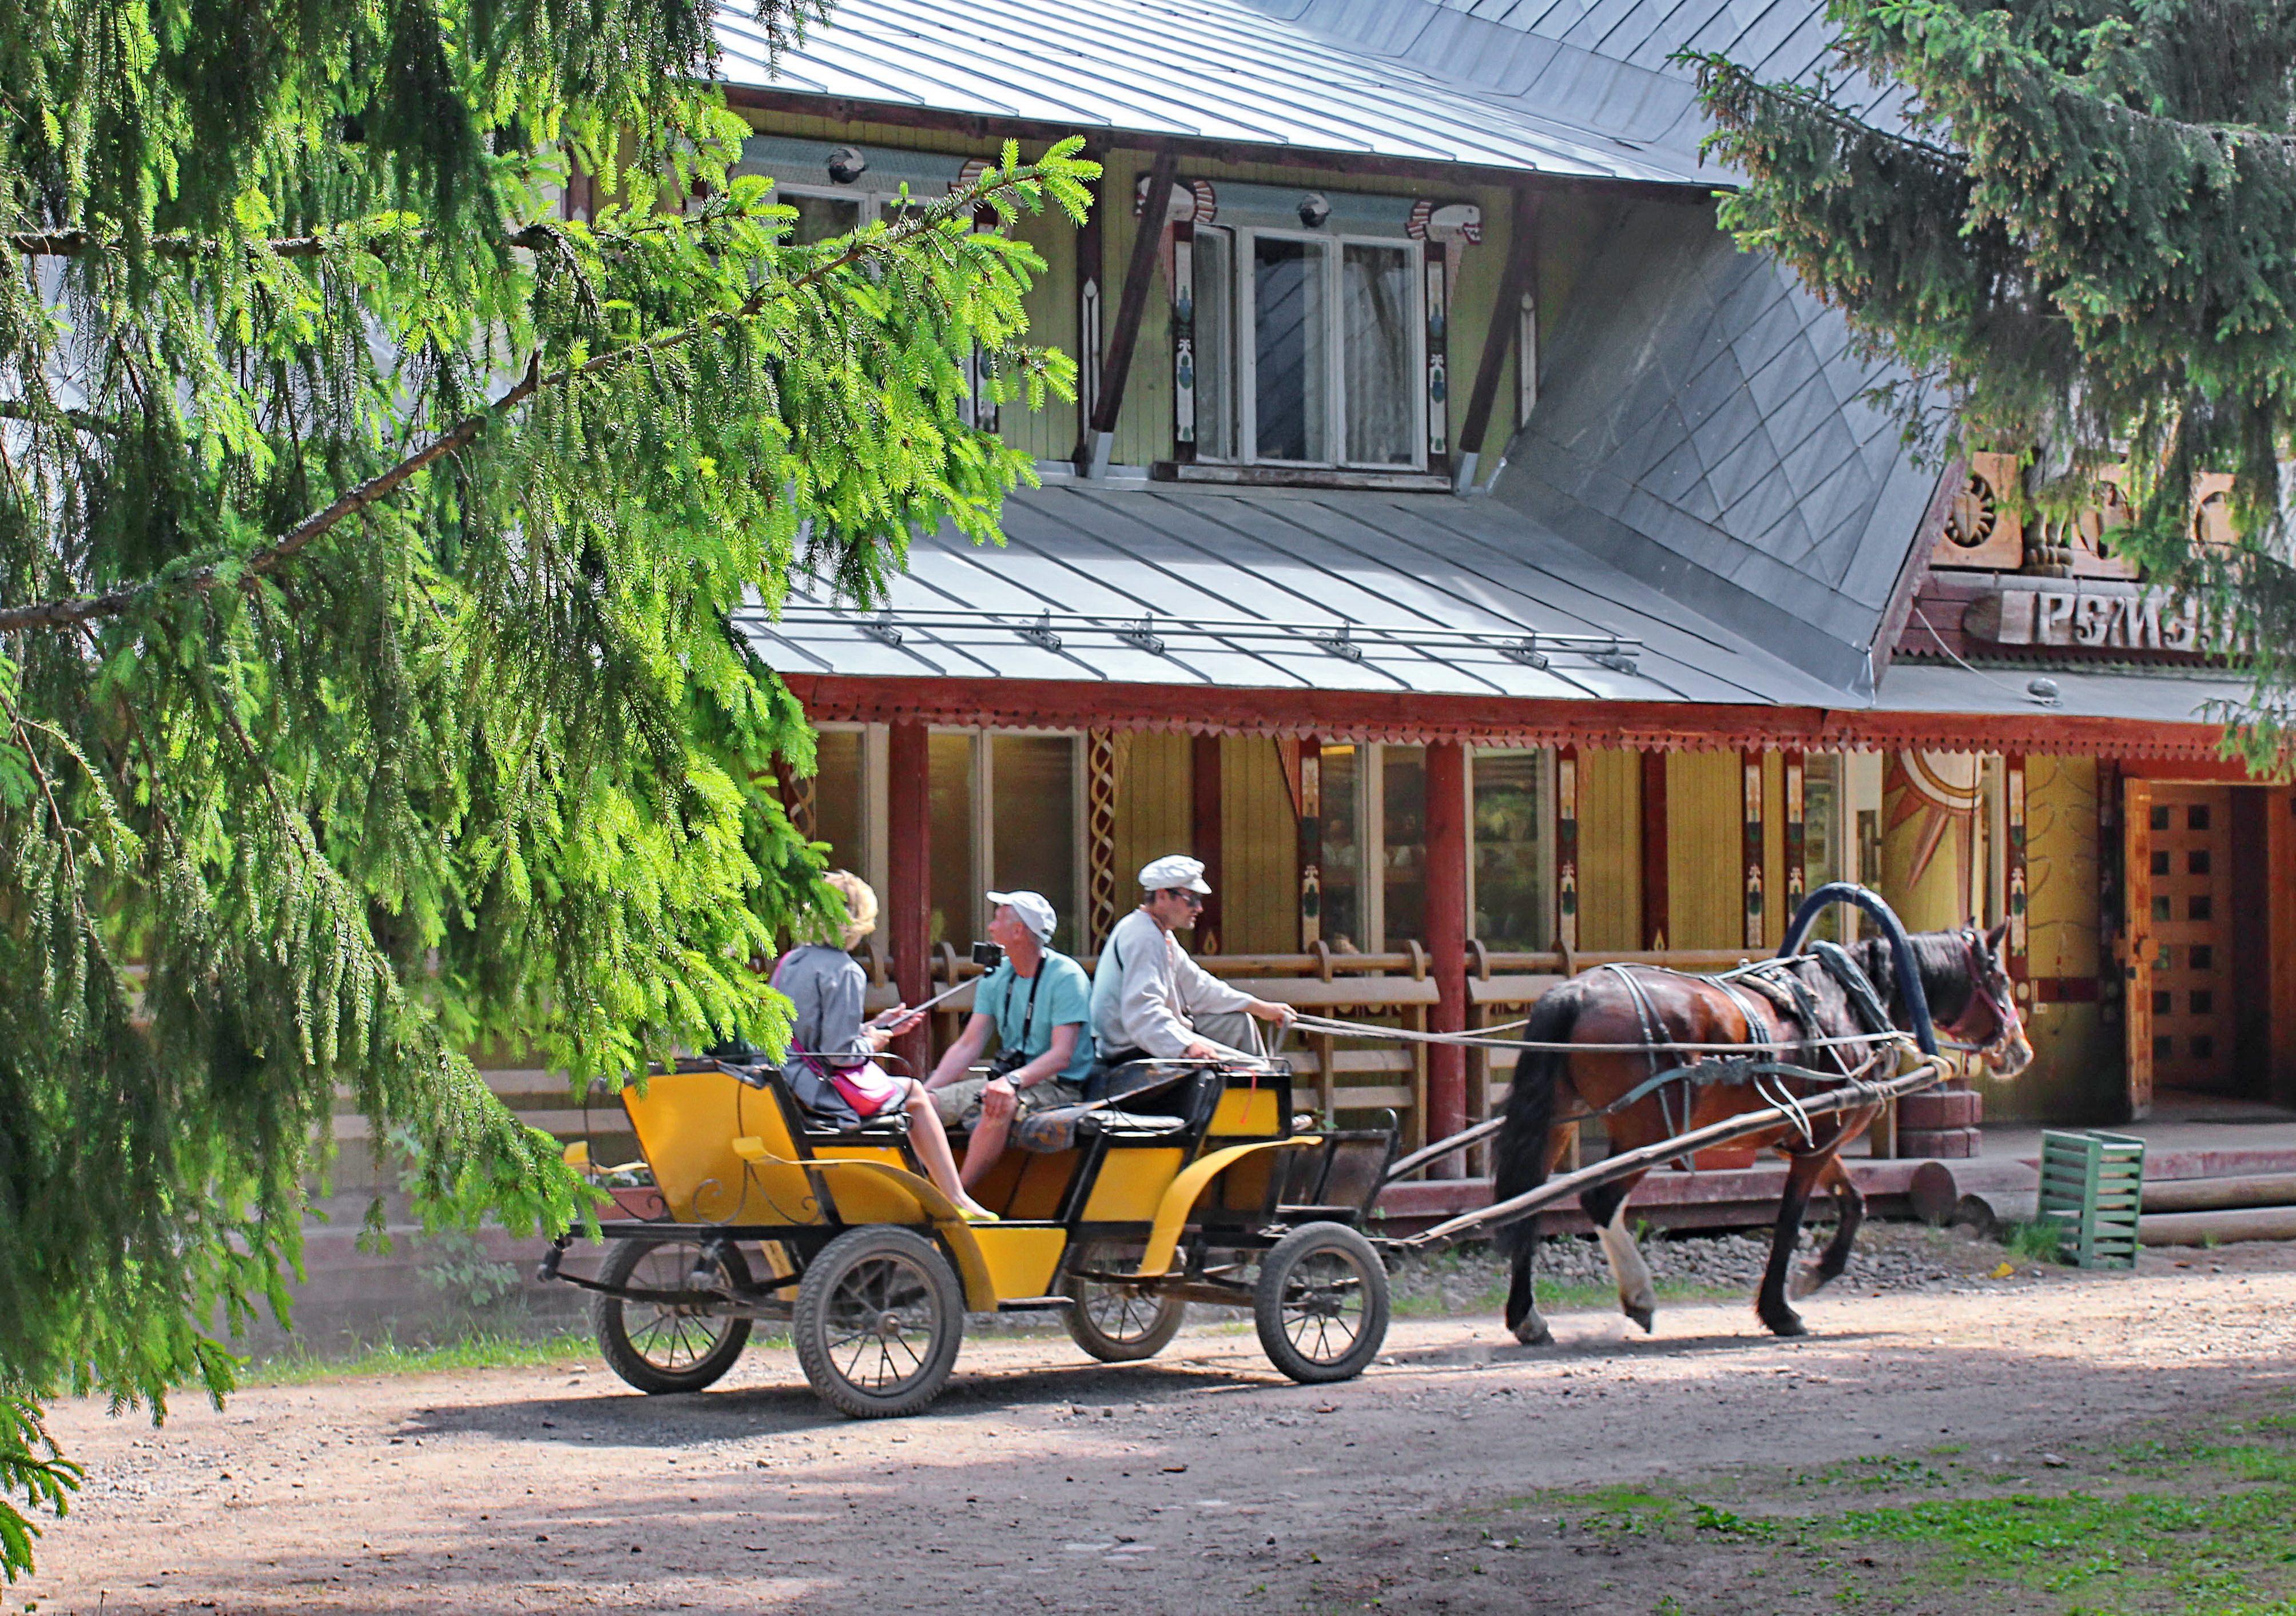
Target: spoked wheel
1116, 1324
879, 1317
660, 1346
1321, 1303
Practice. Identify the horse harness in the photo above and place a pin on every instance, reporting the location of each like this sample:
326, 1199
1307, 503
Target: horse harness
1765, 984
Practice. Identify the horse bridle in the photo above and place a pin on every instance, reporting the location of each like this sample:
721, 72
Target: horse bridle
1990, 983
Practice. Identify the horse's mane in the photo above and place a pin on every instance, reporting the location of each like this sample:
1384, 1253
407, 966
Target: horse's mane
1942, 960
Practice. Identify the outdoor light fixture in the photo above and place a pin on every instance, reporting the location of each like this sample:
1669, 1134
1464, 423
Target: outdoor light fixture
846, 165
1314, 210
2045, 692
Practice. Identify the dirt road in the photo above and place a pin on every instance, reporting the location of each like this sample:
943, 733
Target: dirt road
1200, 1483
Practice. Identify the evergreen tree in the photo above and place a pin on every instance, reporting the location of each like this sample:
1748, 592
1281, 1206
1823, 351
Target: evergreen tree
370, 539
2076, 215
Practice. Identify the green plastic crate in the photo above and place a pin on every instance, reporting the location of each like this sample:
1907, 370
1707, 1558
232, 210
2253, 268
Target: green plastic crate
2093, 1185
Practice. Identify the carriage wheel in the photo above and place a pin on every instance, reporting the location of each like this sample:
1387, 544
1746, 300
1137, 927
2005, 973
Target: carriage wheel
1321, 1303
1117, 1324
879, 1317
668, 1347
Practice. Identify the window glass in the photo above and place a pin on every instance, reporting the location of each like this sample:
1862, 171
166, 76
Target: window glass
1513, 906
956, 916
1215, 295
839, 798
820, 217
1404, 782
1821, 837
1291, 332
1342, 873
1034, 826
1375, 330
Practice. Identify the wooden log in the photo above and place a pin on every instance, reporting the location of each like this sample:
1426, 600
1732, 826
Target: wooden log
2211, 1195
2200, 1228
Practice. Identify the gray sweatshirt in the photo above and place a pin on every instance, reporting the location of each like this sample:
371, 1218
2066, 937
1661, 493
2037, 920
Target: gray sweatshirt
824, 985
1146, 987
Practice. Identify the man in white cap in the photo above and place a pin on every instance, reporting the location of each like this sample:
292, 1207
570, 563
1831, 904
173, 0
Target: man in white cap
1039, 1004
1150, 999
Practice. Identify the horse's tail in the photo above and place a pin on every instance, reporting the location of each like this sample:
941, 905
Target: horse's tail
1518, 1162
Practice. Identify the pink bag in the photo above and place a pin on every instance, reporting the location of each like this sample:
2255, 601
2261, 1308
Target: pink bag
868, 1088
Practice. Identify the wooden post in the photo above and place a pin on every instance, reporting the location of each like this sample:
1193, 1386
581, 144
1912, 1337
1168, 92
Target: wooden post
1146, 240
1204, 789
2136, 944
1100, 838
1655, 914
1518, 276
1566, 847
1446, 940
908, 898
1309, 760
1749, 847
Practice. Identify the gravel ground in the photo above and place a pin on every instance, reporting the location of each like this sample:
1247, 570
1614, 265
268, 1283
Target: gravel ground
1200, 1483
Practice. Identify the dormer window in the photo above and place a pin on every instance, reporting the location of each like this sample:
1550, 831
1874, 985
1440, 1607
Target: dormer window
1308, 327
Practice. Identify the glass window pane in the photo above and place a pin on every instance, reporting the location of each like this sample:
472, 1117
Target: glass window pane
839, 799
1383, 391
1290, 333
1034, 826
820, 217
955, 895
1513, 906
1821, 837
1342, 873
1215, 344
1404, 781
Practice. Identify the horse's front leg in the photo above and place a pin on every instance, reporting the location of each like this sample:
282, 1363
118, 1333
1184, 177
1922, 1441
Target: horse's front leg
1606, 1206
1771, 1305
1849, 1203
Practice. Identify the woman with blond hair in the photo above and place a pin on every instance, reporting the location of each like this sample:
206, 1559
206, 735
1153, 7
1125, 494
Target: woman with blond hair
824, 985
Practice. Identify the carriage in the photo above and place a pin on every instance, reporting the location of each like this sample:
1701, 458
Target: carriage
1202, 1187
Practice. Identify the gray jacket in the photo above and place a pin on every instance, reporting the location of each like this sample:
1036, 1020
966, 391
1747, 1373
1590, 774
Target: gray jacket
824, 985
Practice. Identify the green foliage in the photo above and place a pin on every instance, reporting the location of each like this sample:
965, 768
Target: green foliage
2070, 222
30, 1464
2039, 1242
372, 544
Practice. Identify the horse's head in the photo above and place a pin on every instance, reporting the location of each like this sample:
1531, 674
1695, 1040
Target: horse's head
1990, 1019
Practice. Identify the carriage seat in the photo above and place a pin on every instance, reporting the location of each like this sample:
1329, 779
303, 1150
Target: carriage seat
1128, 1124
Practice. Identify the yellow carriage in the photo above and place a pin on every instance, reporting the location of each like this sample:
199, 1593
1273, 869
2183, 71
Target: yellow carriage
1200, 1188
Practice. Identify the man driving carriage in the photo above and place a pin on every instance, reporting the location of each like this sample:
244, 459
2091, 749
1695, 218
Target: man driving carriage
1149, 1000
1038, 1003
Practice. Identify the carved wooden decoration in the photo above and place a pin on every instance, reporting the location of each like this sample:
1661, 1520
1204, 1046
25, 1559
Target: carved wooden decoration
1566, 847
1100, 833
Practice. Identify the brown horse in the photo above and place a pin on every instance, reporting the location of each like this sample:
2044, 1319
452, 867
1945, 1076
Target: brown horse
1783, 1006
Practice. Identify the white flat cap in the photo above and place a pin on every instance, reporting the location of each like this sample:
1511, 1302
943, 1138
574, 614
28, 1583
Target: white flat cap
1033, 909
1174, 869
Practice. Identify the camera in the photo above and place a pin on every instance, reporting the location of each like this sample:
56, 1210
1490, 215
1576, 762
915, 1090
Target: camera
987, 955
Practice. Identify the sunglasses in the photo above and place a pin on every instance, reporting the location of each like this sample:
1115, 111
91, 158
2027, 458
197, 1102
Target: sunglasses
1192, 899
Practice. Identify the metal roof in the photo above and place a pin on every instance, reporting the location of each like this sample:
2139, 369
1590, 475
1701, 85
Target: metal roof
1155, 584
1705, 423
1216, 70
2165, 696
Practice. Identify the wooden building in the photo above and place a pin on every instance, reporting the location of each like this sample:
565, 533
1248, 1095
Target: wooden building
1482, 566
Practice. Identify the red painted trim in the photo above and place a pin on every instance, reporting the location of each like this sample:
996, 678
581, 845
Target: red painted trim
908, 916
1496, 721
2064, 990
1656, 905
1446, 940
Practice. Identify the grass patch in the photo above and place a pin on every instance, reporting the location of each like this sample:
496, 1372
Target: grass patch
2200, 1524
301, 1367
2043, 1242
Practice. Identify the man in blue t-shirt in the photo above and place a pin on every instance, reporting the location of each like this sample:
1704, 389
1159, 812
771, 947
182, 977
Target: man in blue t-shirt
1038, 1003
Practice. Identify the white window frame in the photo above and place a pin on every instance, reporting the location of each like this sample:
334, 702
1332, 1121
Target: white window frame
1243, 325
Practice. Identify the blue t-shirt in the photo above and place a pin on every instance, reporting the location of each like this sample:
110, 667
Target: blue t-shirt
1064, 998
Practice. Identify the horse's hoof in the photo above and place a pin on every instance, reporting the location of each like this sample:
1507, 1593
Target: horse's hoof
1644, 1315
1787, 1323
1533, 1333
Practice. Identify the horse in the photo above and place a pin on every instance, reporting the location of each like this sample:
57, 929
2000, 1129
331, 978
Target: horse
1778, 1008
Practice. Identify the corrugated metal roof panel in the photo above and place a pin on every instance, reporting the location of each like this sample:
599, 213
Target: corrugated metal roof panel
1215, 70
1280, 589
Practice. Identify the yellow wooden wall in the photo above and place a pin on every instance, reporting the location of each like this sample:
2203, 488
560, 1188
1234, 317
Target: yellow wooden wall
1153, 806
1705, 824
1610, 850
2079, 1062
1260, 850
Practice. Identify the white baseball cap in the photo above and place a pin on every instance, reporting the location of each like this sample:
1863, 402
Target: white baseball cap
1174, 869
1032, 909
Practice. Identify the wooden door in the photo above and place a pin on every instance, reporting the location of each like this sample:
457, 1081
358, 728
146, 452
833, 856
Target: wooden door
2136, 940
2190, 997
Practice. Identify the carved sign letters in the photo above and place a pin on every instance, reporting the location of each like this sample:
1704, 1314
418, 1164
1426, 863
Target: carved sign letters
2099, 616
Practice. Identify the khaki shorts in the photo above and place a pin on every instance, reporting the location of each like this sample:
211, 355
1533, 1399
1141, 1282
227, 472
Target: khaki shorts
959, 1104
